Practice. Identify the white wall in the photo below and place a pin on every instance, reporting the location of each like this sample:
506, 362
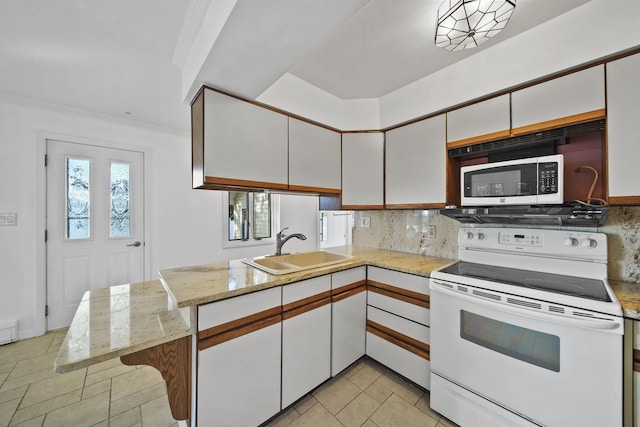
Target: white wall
183, 226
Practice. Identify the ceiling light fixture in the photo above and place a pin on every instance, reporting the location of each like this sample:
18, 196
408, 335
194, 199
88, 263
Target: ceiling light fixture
463, 24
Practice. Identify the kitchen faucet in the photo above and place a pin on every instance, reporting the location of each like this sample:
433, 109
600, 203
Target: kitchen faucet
281, 239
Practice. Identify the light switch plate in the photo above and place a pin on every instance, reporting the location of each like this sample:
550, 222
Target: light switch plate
431, 232
365, 221
8, 219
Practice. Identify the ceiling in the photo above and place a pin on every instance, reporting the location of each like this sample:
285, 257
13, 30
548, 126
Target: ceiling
130, 58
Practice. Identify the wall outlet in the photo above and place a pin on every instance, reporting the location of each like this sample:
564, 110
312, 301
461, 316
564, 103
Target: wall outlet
365, 221
431, 232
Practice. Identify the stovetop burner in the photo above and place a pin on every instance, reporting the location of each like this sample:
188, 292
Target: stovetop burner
581, 287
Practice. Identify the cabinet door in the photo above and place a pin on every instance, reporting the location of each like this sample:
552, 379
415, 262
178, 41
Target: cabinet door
244, 144
623, 112
349, 318
415, 165
385, 331
314, 158
569, 99
239, 364
363, 170
480, 122
306, 337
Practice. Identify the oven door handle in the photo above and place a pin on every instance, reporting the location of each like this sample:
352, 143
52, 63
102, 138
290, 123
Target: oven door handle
537, 315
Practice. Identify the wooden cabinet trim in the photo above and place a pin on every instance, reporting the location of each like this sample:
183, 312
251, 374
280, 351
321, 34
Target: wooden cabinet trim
197, 140
244, 183
299, 307
416, 206
173, 360
365, 207
405, 295
480, 138
319, 190
560, 122
238, 327
406, 342
624, 200
348, 290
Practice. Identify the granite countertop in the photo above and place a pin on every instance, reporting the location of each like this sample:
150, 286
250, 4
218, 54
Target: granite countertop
629, 296
202, 284
119, 320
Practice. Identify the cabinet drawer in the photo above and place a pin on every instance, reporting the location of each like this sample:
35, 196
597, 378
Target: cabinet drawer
307, 288
400, 280
407, 364
403, 326
347, 277
404, 309
219, 312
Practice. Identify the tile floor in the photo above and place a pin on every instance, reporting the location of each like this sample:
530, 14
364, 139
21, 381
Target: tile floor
110, 394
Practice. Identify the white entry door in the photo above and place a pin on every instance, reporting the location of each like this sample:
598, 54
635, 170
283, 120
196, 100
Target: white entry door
95, 223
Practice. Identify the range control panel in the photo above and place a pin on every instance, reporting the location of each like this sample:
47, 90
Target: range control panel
562, 243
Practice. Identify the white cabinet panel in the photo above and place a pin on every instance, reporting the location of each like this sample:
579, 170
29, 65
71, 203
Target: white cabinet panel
623, 112
406, 327
402, 308
347, 277
565, 96
415, 163
348, 331
239, 380
398, 279
314, 156
306, 353
400, 360
243, 141
481, 119
306, 338
219, 312
363, 169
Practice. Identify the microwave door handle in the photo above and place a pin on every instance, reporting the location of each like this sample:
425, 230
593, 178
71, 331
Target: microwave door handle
539, 315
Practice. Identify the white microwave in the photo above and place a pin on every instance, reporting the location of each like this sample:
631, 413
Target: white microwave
530, 181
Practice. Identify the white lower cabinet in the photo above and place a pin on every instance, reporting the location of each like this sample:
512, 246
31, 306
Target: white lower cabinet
398, 323
239, 378
306, 337
349, 318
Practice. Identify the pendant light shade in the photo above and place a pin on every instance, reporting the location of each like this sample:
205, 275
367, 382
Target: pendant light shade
463, 24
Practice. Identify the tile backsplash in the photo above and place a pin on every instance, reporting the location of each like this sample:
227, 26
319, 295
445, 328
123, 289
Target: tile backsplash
407, 231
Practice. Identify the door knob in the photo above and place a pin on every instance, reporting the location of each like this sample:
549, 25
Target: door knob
136, 244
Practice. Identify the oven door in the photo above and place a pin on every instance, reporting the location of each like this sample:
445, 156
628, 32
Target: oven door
550, 370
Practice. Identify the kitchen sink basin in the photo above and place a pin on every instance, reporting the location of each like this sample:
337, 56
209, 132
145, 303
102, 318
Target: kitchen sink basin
290, 263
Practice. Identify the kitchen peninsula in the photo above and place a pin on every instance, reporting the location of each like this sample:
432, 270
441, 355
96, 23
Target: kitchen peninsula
146, 323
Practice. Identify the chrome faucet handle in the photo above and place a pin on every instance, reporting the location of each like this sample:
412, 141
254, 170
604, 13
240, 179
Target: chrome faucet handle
281, 231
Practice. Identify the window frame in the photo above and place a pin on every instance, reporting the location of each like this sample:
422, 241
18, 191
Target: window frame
251, 241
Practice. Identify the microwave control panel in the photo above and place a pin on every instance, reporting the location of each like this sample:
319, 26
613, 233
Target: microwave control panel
548, 177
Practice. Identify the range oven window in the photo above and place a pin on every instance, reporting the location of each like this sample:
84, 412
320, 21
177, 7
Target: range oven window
531, 346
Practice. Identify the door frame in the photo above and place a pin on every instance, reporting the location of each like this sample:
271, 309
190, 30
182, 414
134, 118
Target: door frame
40, 298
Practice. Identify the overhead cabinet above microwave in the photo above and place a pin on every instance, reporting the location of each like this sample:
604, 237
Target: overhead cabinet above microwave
240, 144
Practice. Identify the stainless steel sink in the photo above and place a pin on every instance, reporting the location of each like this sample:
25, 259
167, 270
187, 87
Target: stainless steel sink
290, 263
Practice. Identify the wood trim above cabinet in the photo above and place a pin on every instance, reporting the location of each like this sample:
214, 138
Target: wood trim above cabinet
404, 341
299, 307
401, 294
239, 327
624, 200
478, 139
563, 121
416, 206
318, 190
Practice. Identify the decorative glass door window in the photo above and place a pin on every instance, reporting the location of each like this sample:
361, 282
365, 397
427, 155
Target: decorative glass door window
78, 212
119, 213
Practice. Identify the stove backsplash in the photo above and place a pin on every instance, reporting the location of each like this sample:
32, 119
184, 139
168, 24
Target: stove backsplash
407, 231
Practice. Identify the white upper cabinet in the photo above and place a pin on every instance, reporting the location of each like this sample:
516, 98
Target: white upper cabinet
244, 144
415, 163
480, 122
623, 113
562, 101
363, 170
314, 157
